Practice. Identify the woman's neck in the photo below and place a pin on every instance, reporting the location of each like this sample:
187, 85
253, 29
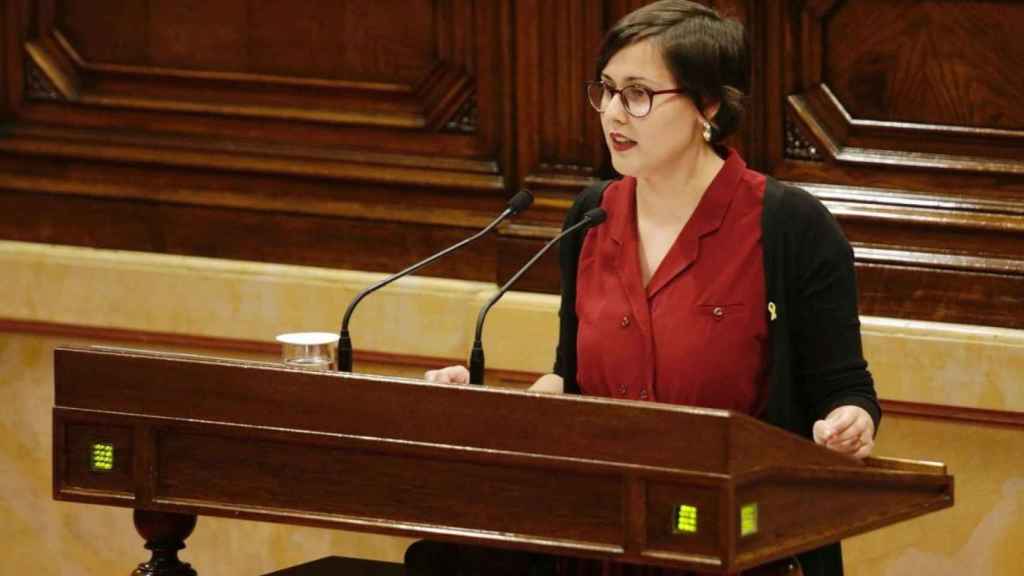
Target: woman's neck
675, 192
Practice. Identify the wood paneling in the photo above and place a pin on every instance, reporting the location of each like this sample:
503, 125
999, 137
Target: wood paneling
10, 58
927, 62
262, 73
258, 130
900, 117
322, 62
238, 233
561, 149
359, 42
379, 131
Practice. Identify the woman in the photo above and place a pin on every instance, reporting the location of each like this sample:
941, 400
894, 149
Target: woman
709, 284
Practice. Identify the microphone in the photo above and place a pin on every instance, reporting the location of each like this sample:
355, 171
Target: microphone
521, 201
591, 218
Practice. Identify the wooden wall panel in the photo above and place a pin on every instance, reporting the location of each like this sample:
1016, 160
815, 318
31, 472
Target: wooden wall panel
559, 147
900, 116
946, 64
364, 122
10, 64
219, 73
358, 42
324, 133
238, 233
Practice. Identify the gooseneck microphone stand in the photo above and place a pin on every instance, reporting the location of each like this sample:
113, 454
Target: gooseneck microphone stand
521, 201
476, 356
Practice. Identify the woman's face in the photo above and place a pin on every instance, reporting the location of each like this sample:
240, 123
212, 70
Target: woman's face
652, 145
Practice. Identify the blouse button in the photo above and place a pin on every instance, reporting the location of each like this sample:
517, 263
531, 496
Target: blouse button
718, 313
625, 321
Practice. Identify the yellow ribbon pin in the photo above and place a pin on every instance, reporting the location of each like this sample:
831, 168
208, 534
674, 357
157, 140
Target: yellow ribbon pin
771, 311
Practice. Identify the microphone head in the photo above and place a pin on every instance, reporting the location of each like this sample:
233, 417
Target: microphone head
521, 201
595, 216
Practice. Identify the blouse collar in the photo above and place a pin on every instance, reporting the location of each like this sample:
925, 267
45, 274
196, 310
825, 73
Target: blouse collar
706, 218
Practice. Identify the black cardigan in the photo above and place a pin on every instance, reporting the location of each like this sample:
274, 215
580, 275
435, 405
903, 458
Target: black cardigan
816, 360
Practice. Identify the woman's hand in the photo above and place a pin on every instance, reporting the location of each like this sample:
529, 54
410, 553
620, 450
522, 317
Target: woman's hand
448, 375
551, 383
848, 430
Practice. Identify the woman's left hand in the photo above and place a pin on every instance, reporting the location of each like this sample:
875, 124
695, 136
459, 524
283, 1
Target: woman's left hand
848, 430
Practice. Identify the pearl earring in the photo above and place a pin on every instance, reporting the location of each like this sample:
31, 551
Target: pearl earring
707, 130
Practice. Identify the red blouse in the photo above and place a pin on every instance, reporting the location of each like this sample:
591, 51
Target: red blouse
697, 335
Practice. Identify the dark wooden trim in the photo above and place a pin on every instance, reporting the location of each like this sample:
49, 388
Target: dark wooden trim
867, 255
326, 241
957, 414
898, 285
12, 74
472, 207
129, 336
910, 199
839, 135
848, 139
299, 161
563, 151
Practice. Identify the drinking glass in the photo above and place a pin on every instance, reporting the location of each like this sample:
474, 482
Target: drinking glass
309, 350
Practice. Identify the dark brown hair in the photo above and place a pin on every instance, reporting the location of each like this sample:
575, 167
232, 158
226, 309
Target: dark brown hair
706, 54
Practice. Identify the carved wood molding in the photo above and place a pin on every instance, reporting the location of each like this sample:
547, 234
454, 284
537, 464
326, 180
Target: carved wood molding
959, 206
257, 158
840, 135
311, 203
48, 74
921, 246
427, 104
467, 119
466, 48
900, 284
942, 261
929, 230
375, 242
848, 139
37, 85
797, 145
437, 133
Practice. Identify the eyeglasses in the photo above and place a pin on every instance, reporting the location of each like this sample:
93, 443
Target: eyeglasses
637, 100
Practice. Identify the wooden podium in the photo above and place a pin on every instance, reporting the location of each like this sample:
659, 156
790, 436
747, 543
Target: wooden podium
175, 436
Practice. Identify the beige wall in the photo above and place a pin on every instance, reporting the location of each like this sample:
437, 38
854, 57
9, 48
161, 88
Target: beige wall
931, 363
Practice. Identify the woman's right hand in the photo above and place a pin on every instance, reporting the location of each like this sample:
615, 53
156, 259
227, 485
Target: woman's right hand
448, 375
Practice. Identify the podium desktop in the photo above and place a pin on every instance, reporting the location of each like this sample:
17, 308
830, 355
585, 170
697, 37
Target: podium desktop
179, 436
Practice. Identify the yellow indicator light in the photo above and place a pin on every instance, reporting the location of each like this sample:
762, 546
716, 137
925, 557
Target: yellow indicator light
748, 519
686, 519
102, 457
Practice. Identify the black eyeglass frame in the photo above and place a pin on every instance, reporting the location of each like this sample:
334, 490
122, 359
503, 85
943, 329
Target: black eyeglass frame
625, 103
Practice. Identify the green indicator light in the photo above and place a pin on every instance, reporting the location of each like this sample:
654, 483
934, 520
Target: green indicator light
748, 519
686, 519
102, 457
